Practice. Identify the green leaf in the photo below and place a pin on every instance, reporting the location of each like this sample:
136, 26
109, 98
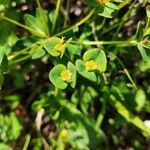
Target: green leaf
42, 19
4, 64
6, 3
142, 51
139, 31
72, 69
10, 127
108, 10
148, 11
80, 65
91, 3
3, 146
54, 76
4, 30
99, 56
37, 52
34, 24
16, 126
123, 111
1, 79
140, 99
73, 50
50, 45
2, 53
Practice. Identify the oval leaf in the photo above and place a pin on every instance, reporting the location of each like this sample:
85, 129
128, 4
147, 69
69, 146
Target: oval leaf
99, 56
50, 45
80, 65
54, 76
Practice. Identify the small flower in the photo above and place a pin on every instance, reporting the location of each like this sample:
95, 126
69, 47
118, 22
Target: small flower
66, 75
102, 1
63, 134
91, 65
60, 47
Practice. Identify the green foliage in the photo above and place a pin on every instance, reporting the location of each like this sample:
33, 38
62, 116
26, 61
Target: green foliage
10, 128
71, 82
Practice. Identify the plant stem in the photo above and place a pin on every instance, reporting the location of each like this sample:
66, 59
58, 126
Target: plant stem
126, 72
124, 18
23, 26
38, 3
19, 60
101, 115
27, 142
132, 42
18, 53
56, 14
76, 25
124, 3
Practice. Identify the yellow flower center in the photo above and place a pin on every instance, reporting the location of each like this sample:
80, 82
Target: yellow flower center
102, 1
63, 133
90, 65
60, 47
66, 75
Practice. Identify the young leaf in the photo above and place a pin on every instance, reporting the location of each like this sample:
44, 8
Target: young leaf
55, 78
139, 31
142, 51
73, 50
42, 19
72, 69
80, 65
33, 24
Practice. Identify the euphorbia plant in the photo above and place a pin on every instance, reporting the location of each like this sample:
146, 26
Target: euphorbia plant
83, 63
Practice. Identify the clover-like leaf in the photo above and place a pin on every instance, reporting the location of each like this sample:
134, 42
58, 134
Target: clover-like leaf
42, 20
33, 24
54, 46
98, 56
80, 65
55, 76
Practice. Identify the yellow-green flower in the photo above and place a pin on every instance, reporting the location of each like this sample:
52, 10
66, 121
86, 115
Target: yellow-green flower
91, 65
63, 134
66, 75
60, 47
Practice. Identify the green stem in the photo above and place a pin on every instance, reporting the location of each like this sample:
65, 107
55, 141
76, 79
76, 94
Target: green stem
124, 3
56, 14
132, 42
27, 142
38, 3
76, 25
18, 53
101, 115
23, 26
124, 18
127, 72
19, 60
